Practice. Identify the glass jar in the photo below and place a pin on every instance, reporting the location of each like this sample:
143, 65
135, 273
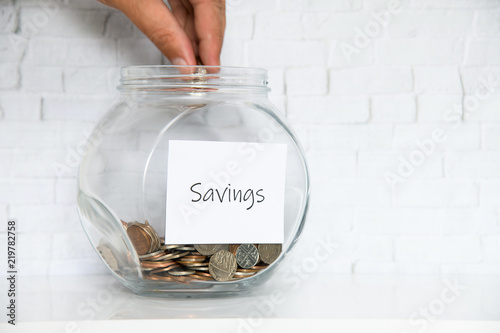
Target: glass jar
123, 178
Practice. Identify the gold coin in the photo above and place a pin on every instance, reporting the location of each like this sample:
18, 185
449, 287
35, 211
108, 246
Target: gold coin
260, 267
159, 278
233, 248
183, 279
164, 269
143, 236
139, 238
204, 274
151, 234
200, 277
194, 259
222, 265
250, 270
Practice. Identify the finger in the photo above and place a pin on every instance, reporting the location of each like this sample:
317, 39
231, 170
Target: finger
180, 11
183, 12
157, 22
105, 2
210, 22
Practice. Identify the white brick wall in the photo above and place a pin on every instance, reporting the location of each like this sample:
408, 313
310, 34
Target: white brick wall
360, 92
439, 249
393, 109
371, 80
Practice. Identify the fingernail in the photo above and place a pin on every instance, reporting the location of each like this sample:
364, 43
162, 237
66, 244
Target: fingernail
179, 62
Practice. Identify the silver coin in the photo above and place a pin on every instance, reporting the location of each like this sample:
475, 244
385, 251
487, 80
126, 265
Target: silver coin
198, 268
269, 252
209, 249
222, 265
185, 248
247, 255
152, 254
244, 273
108, 256
180, 272
170, 246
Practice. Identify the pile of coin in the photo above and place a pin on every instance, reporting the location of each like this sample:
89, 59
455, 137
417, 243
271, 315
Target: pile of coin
206, 262
144, 238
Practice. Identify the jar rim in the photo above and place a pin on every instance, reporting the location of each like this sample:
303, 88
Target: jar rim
168, 77
137, 70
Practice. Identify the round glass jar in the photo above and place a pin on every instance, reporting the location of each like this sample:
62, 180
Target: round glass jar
122, 180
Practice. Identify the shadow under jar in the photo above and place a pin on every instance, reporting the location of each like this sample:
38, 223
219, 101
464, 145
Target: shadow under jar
123, 178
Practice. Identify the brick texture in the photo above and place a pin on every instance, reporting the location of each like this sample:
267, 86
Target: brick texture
399, 114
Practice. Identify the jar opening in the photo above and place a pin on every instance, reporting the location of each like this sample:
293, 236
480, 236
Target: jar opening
193, 78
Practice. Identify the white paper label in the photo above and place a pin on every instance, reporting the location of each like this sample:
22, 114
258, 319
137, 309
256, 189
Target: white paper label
225, 192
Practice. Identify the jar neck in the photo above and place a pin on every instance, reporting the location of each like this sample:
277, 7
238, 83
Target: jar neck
192, 80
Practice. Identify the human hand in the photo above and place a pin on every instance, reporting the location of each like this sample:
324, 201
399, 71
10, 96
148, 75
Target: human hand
193, 29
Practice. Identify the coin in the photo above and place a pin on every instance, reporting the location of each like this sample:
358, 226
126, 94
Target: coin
143, 237
247, 255
192, 264
233, 248
222, 265
199, 268
209, 249
164, 269
153, 236
152, 255
108, 256
159, 277
180, 272
238, 273
185, 248
157, 264
182, 263
183, 279
204, 274
244, 270
170, 256
201, 277
260, 267
269, 252
139, 238
171, 246
194, 258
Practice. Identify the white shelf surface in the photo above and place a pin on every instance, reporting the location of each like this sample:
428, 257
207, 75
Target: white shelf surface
264, 326
319, 296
